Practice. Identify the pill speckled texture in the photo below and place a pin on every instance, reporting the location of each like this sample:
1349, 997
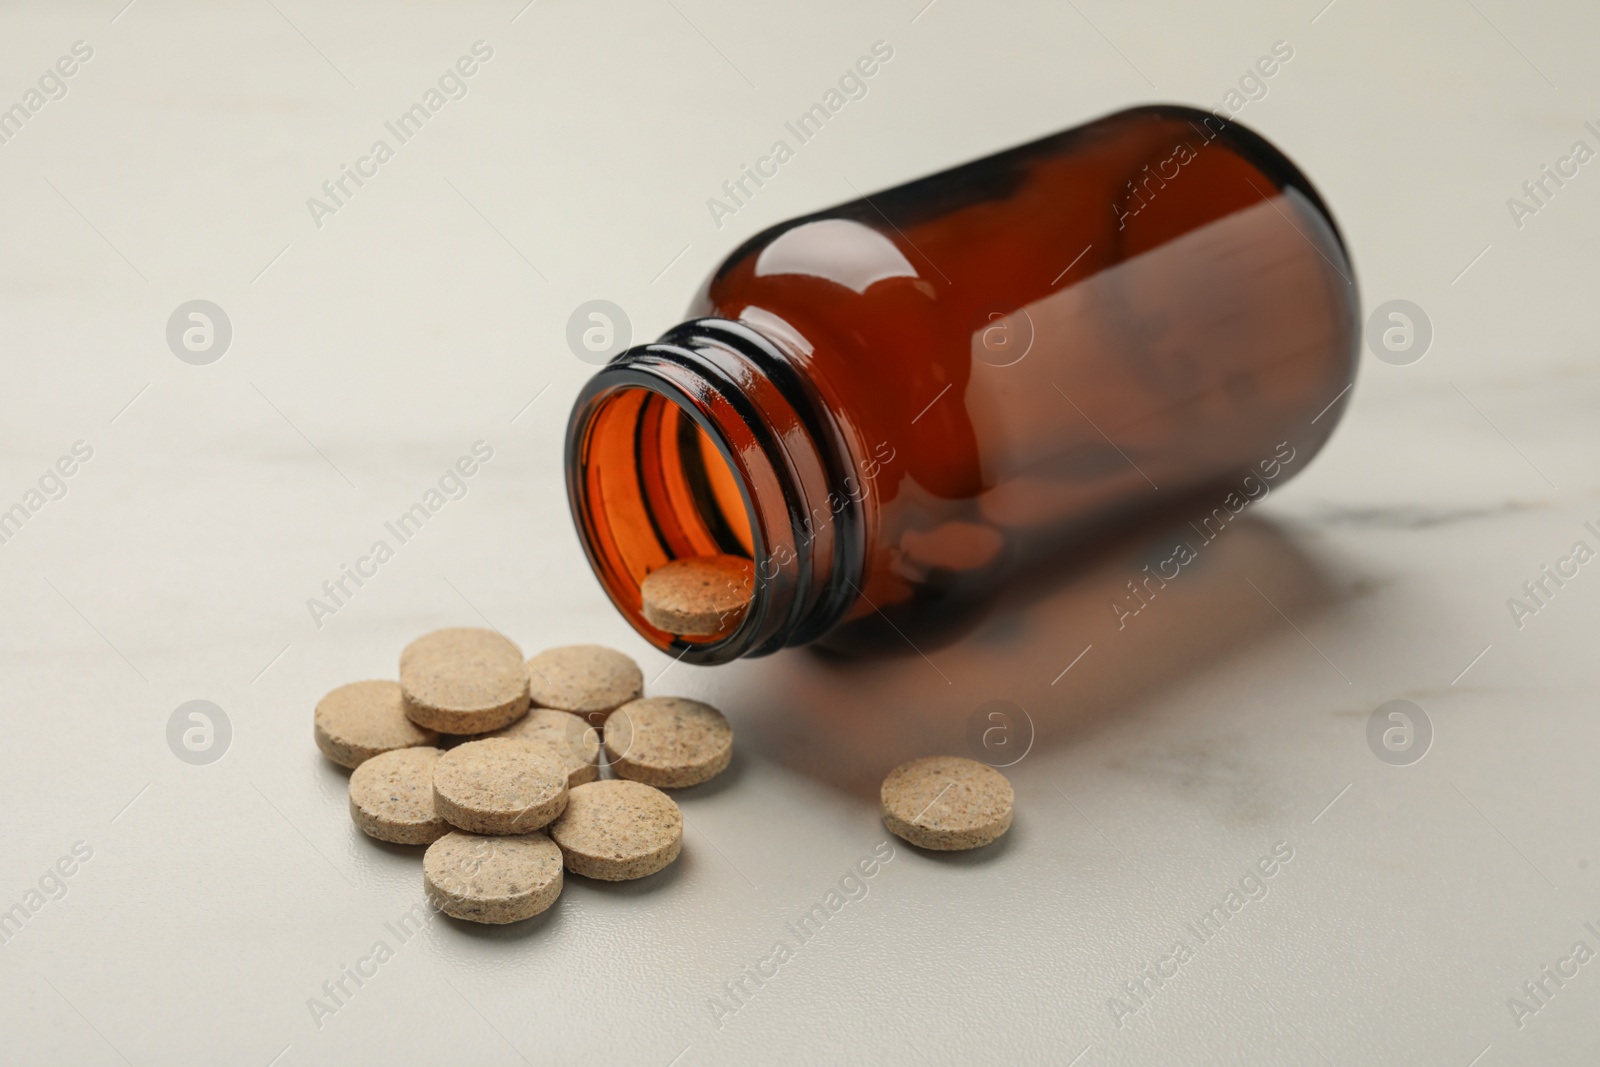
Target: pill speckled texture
587, 680
364, 719
492, 879
668, 742
946, 803
391, 797
562, 735
616, 830
698, 596
499, 786
463, 681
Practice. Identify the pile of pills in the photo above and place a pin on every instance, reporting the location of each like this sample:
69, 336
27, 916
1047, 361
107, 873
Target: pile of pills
494, 763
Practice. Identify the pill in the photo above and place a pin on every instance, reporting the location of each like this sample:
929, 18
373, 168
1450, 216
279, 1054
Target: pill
492, 879
957, 546
946, 803
698, 596
668, 742
363, 719
463, 681
391, 797
562, 735
616, 830
587, 680
499, 786
1025, 503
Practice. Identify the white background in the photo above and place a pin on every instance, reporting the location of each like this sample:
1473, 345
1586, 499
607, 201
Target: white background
369, 353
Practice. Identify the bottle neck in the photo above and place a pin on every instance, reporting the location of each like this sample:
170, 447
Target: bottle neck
712, 441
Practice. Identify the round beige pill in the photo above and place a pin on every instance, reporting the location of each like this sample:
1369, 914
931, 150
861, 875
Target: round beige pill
946, 803
668, 742
562, 735
587, 680
492, 879
615, 830
463, 681
698, 596
363, 719
499, 786
391, 797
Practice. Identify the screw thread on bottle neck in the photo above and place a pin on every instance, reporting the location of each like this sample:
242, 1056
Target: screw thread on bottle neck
711, 441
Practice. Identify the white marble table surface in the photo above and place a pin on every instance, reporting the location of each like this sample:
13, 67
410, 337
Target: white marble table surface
207, 905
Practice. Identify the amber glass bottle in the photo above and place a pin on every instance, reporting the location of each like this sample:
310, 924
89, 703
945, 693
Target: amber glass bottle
897, 406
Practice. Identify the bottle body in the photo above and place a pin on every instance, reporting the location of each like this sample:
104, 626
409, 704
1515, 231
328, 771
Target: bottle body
958, 379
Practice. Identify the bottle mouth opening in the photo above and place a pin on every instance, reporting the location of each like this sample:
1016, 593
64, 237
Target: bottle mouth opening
659, 481
705, 443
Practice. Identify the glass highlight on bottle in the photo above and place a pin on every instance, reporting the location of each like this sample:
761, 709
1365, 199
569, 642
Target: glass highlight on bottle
897, 406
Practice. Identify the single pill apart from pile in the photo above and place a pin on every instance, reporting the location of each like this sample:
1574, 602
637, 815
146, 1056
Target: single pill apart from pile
587, 680
565, 737
698, 596
499, 786
492, 879
615, 830
463, 681
391, 797
946, 803
364, 719
668, 742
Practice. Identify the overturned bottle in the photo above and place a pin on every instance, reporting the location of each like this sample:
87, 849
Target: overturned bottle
896, 407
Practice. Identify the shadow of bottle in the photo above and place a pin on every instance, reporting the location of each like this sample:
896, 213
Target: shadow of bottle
1054, 661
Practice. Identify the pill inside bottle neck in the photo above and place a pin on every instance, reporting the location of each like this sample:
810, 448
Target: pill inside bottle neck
698, 446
